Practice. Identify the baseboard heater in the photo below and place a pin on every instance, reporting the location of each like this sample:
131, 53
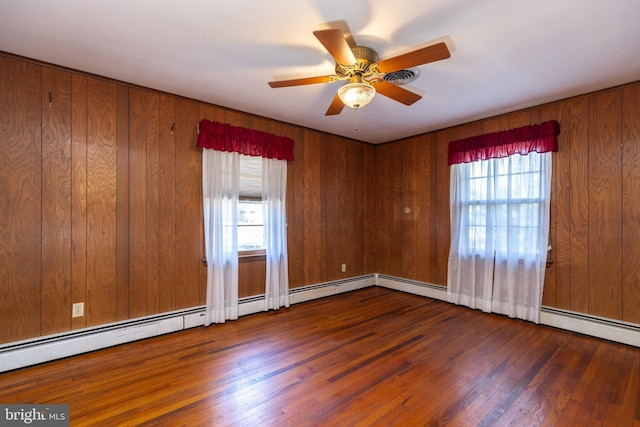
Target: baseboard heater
31, 352
608, 329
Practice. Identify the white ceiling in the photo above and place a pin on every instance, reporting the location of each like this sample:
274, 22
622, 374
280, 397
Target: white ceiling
506, 54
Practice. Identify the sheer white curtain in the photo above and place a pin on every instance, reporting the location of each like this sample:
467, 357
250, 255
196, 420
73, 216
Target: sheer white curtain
499, 229
274, 190
220, 196
470, 275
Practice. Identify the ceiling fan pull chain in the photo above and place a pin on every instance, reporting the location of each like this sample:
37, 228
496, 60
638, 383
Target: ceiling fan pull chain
356, 128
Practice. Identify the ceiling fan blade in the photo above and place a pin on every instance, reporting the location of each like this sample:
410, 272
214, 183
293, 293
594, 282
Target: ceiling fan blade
414, 58
346, 31
333, 40
304, 81
396, 92
335, 107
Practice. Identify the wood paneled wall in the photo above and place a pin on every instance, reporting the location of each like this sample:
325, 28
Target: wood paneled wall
595, 213
21, 227
101, 202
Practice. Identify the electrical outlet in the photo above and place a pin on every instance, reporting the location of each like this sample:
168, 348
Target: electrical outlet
344, 268
77, 310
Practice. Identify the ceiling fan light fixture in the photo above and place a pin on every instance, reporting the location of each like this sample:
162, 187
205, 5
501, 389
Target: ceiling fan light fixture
357, 94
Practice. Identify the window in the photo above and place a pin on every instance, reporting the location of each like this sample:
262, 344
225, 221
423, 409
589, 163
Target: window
250, 211
502, 206
499, 232
228, 177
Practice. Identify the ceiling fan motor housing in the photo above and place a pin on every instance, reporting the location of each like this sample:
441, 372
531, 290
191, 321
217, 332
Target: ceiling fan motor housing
365, 56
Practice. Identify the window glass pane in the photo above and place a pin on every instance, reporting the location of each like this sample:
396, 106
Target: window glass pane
478, 188
502, 186
477, 238
250, 225
249, 212
250, 238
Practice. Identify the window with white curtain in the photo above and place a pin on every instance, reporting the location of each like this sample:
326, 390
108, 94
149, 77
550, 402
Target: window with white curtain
500, 201
508, 188
240, 167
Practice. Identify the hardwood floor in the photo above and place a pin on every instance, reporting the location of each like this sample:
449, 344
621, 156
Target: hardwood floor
368, 357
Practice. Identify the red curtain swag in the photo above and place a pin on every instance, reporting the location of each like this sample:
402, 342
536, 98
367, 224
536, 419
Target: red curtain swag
224, 137
541, 138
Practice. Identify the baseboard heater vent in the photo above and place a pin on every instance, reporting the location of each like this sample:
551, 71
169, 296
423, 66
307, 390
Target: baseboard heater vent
335, 283
80, 333
595, 319
412, 282
412, 286
31, 352
609, 329
599, 327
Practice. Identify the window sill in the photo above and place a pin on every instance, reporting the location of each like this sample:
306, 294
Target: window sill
248, 256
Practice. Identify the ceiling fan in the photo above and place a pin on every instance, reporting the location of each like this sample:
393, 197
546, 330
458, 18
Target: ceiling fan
367, 74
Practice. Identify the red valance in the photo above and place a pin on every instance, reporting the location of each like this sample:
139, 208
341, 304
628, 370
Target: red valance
224, 137
540, 138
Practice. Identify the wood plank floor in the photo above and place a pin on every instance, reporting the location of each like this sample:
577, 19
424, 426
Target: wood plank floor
368, 357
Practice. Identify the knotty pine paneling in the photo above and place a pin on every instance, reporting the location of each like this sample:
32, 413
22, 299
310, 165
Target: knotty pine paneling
56, 200
20, 200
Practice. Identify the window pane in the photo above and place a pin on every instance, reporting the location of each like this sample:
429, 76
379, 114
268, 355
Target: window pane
250, 238
478, 188
250, 225
249, 212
